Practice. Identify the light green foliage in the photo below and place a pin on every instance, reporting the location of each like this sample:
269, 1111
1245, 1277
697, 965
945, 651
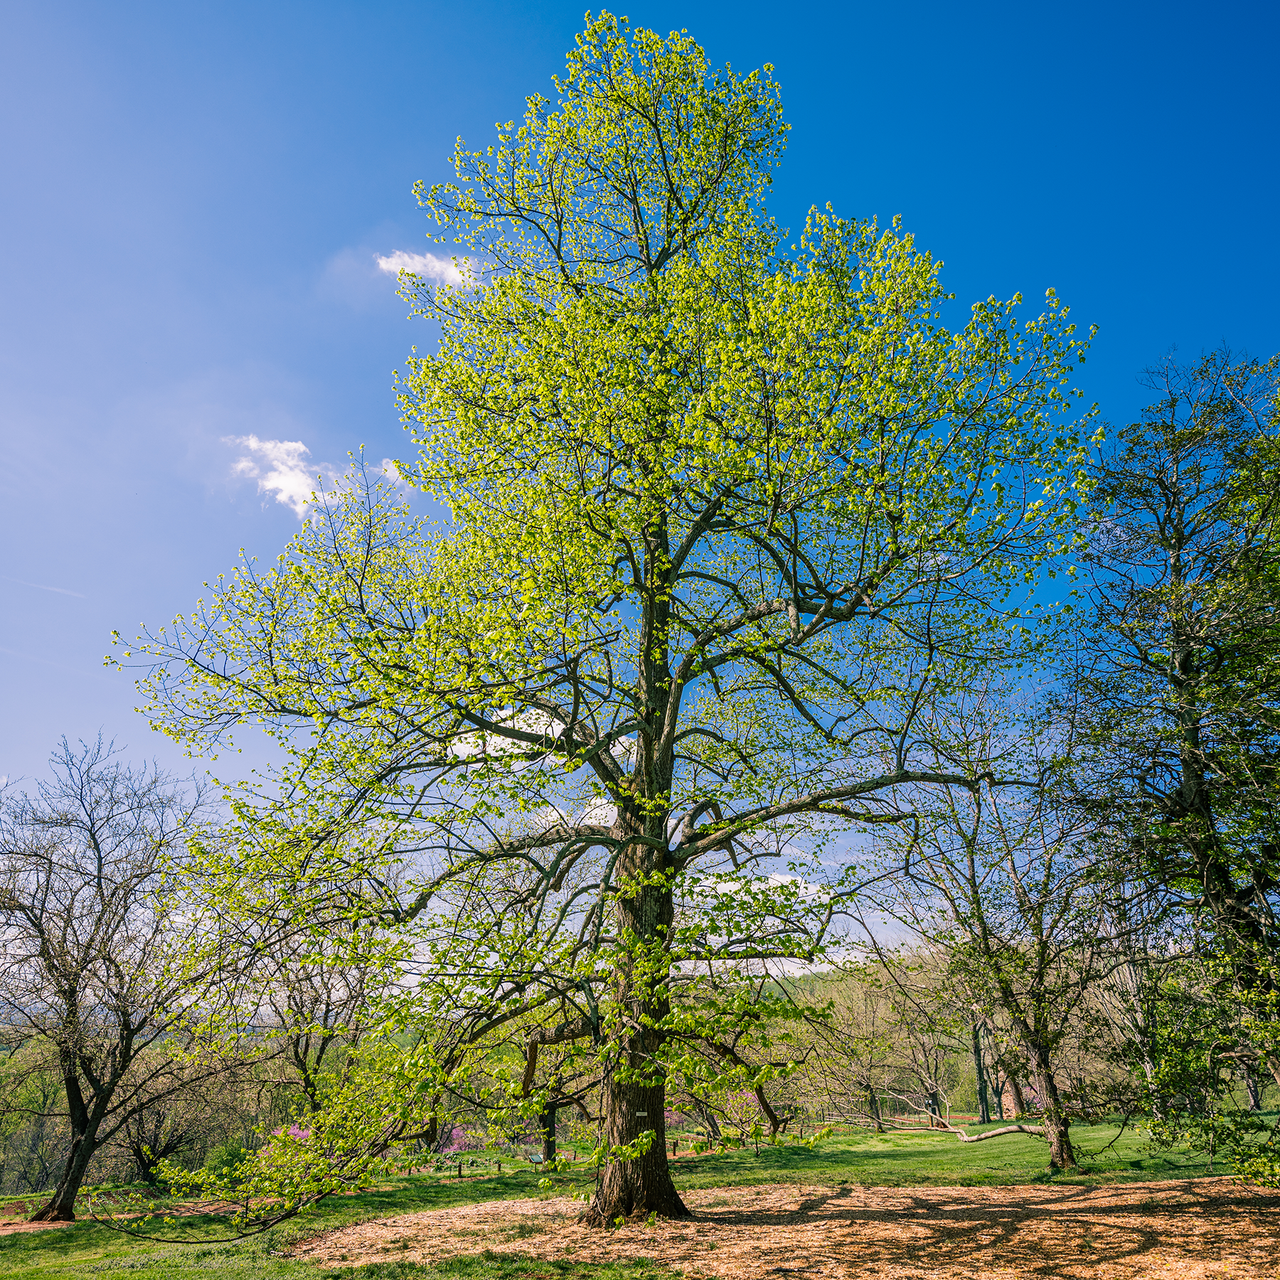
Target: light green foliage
726, 511
1203, 1032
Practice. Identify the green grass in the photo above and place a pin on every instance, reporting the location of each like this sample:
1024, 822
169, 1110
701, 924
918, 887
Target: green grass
916, 1158
938, 1159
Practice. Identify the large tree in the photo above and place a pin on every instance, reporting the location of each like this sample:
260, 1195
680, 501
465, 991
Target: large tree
1179, 678
718, 499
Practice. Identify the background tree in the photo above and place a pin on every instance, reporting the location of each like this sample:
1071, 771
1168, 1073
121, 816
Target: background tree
853, 1066
1180, 666
201, 1112
106, 965
1001, 880
717, 506
321, 993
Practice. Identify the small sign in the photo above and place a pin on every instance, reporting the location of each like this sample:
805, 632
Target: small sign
642, 1113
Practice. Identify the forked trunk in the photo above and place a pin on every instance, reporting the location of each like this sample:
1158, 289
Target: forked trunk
874, 1103
1057, 1124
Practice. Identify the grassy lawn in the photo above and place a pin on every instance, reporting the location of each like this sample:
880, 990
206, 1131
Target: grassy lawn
917, 1158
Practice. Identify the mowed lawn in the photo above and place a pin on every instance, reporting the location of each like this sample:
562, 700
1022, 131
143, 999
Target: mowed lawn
917, 1158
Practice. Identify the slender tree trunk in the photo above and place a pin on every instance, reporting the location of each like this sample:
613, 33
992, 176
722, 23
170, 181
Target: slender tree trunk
547, 1126
61, 1208
769, 1113
1057, 1124
1251, 1087
708, 1118
984, 1106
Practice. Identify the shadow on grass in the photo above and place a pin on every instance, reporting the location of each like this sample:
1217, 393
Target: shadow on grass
901, 1159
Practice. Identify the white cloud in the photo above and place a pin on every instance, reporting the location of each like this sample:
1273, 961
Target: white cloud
427, 265
279, 469
393, 476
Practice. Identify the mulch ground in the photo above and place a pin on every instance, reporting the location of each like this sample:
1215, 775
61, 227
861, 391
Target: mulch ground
1210, 1227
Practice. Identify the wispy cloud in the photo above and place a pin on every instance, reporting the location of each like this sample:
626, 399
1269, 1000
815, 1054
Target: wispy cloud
279, 468
40, 586
427, 265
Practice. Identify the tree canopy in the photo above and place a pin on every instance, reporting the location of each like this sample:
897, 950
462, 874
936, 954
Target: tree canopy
726, 509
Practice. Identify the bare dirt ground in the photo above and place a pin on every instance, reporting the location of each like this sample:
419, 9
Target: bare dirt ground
12, 1227
1208, 1228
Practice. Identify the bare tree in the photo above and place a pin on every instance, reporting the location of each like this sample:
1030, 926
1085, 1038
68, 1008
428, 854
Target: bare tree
1002, 880
108, 967
320, 994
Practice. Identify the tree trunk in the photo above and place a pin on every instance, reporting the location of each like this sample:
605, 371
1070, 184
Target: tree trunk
634, 1087
935, 1110
1251, 1087
769, 1113
1013, 1089
984, 1106
61, 1208
84, 1132
547, 1127
708, 1118
874, 1101
146, 1161
1057, 1124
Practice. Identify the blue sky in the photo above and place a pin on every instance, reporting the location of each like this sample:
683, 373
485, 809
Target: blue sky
193, 196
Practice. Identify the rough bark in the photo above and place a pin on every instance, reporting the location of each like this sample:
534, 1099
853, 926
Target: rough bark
634, 1090
1057, 1124
84, 1130
1013, 1091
